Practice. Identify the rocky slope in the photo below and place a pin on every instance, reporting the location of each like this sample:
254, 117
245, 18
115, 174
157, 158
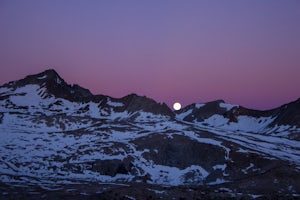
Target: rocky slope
61, 141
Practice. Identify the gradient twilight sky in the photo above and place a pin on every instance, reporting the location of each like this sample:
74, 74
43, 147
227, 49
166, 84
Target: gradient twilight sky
245, 52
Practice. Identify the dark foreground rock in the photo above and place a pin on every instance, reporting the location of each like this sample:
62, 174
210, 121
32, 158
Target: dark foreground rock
135, 191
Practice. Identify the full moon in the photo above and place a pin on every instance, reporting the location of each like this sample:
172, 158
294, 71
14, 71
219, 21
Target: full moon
176, 106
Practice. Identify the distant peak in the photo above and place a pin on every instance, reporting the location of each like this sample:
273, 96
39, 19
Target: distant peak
50, 73
132, 95
219, 101
134, 102
59, 88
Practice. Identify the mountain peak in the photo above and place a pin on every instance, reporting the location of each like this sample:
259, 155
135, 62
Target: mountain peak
135, 102
55, 85
49, 75
59, 88
219, 101
49, 72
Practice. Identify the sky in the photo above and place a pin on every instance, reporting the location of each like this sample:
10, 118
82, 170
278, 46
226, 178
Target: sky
244, 52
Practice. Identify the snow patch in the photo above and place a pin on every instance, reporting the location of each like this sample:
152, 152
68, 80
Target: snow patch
42, 77
245, 171
31, 96
115, 104
221, 167
245, 123
182, 115
227, 106
4, 90
58, 80
199, 105
161, 174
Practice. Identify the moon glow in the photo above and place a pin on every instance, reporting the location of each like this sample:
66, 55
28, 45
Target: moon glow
176, 106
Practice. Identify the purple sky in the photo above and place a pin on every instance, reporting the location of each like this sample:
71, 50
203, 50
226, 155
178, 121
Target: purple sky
245, 52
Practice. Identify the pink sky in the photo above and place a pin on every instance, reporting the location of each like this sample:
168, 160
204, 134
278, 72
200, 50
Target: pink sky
245, 52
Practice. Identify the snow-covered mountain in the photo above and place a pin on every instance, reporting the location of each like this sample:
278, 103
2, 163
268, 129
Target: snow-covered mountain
283, 121
60, 140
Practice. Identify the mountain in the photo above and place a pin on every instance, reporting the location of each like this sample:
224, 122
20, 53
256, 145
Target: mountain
54, 85
62, 141
283, 121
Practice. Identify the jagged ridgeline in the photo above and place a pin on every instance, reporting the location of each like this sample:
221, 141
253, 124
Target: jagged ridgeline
60, 140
